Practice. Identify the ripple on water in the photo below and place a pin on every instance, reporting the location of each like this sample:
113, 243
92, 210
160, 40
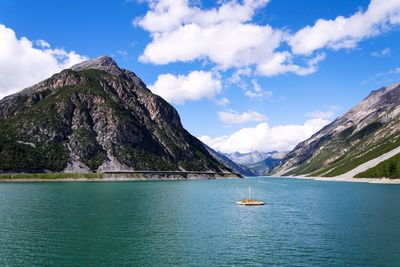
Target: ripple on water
197, 223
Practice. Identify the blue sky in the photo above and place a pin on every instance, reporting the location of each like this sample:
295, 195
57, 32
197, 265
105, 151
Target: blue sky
192, 52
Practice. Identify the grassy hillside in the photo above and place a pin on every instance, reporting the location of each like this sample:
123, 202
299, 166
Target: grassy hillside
352, 160
368, 130
389, 168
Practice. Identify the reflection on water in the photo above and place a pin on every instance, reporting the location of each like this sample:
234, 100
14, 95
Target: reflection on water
197, 223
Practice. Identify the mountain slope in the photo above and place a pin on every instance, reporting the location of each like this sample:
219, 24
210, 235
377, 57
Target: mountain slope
389, 168
370, 164
249, 158
96, 117
243, 170
365, 132
265, 166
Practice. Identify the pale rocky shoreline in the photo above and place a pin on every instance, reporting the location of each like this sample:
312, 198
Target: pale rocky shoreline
348, 179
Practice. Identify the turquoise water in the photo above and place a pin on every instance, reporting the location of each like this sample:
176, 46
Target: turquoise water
196, 223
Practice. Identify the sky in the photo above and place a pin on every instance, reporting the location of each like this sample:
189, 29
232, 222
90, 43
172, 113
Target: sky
244, 75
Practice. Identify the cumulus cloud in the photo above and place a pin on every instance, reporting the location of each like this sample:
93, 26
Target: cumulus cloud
224, 35
227, 35
233, 117
347, 32
194, 86
281, 63
229, 44
265, 138
167, 15
24, 63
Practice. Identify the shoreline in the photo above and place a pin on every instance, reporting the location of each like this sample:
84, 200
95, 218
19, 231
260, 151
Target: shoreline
112, 177
109, 179
346, 179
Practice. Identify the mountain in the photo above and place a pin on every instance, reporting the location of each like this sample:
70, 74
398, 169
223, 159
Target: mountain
96, 116
361, 138
243, 170
265, 166
249, 158
259, 163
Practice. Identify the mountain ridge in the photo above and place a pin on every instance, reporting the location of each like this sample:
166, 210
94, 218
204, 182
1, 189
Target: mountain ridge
96, 116
366, 131
250, 157
258, 163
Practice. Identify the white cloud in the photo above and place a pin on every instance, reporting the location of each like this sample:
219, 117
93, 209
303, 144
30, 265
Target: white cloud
194, 86
24, 63
227, 35
237, 79
344, 32
229, 44
265, 138
42, 44
257, 92
382, 53
233, 117
224, 35
281, 62
168, 15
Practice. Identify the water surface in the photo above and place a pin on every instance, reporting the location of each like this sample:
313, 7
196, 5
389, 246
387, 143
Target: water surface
196, 223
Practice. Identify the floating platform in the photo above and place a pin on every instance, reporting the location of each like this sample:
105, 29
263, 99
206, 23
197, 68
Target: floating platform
250, 202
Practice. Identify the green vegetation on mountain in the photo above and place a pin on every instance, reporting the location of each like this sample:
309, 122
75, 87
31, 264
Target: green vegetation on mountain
355, 158
96, 117
389, 168
369, 130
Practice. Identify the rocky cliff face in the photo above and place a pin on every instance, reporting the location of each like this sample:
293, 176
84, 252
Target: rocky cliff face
366, 131
96, 116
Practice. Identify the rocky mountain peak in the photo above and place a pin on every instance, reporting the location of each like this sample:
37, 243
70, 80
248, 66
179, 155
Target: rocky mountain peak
104, 63
377, 95
378, 101
393, 86
83, 120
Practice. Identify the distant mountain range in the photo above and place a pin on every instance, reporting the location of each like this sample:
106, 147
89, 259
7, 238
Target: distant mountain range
255, 162
96, 117
236, 167
265, 166
364, 142
249, 158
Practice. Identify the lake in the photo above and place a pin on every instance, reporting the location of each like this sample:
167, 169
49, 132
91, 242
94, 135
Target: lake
197, 223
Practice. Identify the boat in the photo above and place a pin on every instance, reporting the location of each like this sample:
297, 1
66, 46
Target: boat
249, 201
